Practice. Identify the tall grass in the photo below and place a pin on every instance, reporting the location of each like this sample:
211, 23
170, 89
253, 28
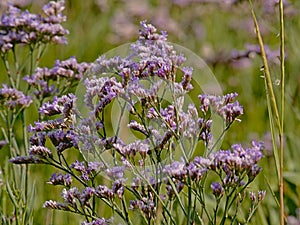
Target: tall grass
273, 108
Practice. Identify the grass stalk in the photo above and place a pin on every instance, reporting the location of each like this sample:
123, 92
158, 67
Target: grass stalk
281, 132
272, 103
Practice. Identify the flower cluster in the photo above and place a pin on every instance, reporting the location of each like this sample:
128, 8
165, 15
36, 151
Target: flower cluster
224, 106
13, 98
23, 27
150, 85
48, 82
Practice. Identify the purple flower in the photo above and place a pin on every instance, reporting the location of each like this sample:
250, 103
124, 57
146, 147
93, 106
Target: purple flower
46, 125
60, 179
70, 196
3, 143
40, 151
116, 172
176, 170
12, 98
186, 80
55, 205
225, 106
118, 187
38, 139
130, 150
22, 27
217, 189
67, 72
31, 159
63, 140
104, 88
256, 198
86, 194
145, 205
58, 105
99, 221
104, 192
195, 172
178, 186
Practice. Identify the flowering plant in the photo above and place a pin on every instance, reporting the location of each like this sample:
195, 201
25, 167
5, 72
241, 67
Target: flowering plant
171, 172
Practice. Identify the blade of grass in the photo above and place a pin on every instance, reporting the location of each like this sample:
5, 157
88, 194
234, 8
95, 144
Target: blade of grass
271, 100
279, 120
266, 68
282, 69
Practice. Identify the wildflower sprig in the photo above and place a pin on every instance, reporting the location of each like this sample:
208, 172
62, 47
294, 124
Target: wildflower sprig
24, 37
161, 171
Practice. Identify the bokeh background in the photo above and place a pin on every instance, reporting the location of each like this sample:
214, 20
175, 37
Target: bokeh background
221, 32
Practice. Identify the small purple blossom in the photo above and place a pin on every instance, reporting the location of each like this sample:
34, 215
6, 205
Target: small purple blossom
99, 221
55, 205
31, 159
45, 79
70, 196
104, 89
58, 105
130, 150
116, 172
256, 198
104, 192
217, 189
13, 98
63, 140
176, 170
224, 106
86, 194
60, 179
3, 143
40, 151
146, 205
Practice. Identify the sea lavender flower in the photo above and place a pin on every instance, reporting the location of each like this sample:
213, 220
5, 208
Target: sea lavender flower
224, 106
70, 196
170, 189
3, 143
23, 27
130, 150
67, 72
31, 159
118, 187
176, 170
81, 167
58, 105
63, 140
256, 198
104, 192
146, 206
104, 89
99, 221
13, 98
86, 194
116, 172
40, 151
217, 189
60, 179
55, 205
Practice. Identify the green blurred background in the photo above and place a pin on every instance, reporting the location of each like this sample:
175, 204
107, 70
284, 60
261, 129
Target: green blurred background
213, 31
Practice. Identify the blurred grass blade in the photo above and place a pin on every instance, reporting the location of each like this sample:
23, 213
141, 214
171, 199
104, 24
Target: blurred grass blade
30, 205
11, 194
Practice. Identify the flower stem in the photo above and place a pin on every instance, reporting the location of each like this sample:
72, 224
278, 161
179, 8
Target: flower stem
282, 67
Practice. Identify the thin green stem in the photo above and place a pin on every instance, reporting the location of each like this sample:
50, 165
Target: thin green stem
282, 67
266, 67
